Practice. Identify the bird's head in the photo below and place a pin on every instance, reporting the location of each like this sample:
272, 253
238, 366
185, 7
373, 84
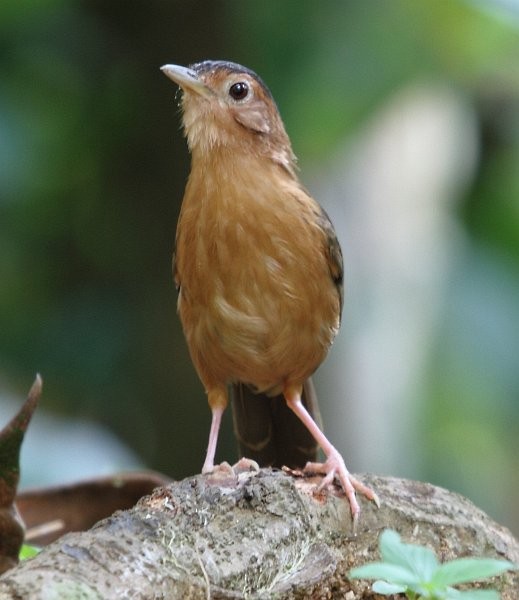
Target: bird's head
228, 106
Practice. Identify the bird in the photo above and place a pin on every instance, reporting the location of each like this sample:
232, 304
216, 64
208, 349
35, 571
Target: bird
257, 265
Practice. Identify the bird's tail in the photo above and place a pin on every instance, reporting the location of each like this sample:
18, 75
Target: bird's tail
269, 432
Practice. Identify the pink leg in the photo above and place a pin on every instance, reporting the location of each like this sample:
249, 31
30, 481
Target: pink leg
213, 438
334, 464
217, 398
243, 465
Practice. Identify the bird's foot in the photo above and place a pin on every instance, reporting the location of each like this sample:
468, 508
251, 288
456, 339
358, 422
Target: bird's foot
219, 474
245, 465
334, 466
224, 468
224, 472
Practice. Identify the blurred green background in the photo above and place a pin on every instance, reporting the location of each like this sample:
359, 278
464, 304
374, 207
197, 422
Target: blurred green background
92, 170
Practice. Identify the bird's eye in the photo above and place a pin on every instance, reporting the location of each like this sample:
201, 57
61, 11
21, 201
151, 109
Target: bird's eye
239, 90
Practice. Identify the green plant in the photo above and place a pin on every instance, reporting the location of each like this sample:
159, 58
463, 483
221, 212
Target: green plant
27, 551
416, 571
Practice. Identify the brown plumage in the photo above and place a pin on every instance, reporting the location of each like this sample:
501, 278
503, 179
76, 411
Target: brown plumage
257, 264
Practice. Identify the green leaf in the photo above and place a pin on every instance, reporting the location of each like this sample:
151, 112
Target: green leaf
463, 570
419, 560
385, 588
377, 570
27, 551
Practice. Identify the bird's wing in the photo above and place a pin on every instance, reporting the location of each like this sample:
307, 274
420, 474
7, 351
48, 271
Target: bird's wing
331, 246
333, 253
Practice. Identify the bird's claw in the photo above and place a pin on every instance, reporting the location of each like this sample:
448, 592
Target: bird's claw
334, 466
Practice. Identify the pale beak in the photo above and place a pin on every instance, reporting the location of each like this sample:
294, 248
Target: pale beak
187, 79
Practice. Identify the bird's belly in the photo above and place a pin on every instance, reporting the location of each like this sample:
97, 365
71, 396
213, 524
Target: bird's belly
259, 318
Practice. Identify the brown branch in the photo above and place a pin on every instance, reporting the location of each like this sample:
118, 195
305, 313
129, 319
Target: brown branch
263, 535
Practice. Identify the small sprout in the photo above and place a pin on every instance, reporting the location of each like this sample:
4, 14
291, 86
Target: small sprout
27, 551
415, 571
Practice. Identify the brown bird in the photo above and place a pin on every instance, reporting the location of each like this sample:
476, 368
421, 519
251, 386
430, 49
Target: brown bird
257, 265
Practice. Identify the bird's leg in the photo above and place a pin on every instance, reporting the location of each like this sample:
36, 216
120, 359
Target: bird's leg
334, 464
217, 399
213, 438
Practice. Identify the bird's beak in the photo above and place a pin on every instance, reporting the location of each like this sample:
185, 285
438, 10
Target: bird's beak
187, 79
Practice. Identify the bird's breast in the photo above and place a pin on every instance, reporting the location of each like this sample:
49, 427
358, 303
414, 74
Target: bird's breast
257, 300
